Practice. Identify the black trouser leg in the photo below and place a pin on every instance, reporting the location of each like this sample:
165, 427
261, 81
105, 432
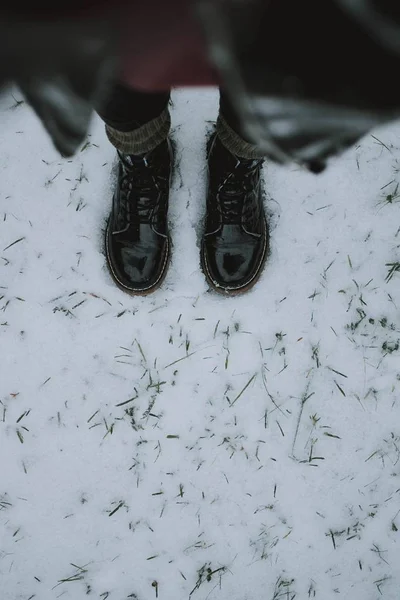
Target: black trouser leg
227, 110
127, 109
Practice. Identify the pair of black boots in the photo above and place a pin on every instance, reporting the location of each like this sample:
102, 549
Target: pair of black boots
235, 240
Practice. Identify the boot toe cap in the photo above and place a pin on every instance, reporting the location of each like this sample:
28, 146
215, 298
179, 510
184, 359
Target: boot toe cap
232, 268
135, 267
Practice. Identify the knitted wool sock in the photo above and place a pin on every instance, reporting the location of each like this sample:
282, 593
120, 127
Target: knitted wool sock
141, 140
234, 143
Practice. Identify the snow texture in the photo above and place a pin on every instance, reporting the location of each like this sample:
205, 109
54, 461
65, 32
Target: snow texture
188, 445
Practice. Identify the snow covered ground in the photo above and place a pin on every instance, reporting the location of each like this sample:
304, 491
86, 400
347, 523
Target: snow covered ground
187, 445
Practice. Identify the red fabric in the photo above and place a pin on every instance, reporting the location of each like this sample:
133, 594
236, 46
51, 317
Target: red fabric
162, 46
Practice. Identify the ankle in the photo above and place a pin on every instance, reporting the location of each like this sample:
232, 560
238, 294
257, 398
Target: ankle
234, 143
143, 139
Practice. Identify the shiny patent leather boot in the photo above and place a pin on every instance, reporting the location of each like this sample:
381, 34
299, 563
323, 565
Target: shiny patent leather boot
137, 240
235, 240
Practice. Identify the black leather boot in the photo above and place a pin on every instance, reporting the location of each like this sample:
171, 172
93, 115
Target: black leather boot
137, 240
235, 241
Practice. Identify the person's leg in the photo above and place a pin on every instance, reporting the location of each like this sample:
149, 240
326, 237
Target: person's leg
235, 241
136, 122
230, 131
137, 240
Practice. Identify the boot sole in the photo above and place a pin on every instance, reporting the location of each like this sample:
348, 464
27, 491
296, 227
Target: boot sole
133, 291
227, 291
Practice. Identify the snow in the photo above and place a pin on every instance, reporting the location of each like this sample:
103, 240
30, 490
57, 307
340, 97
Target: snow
187, 445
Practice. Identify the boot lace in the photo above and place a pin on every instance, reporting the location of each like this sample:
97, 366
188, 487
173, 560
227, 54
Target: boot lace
233, 191
140, 190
